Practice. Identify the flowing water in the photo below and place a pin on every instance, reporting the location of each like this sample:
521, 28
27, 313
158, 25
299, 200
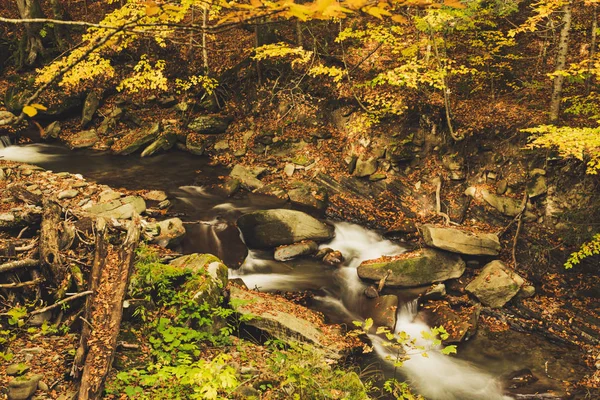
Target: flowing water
338, 292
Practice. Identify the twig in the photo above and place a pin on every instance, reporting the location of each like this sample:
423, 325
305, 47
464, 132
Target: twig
27, 247
438, 200
87, 322
382, 280
63, 301
22, 232
9, 266
520, 224
126, 345
20, 284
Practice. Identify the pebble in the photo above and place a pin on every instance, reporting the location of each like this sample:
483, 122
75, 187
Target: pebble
68, 194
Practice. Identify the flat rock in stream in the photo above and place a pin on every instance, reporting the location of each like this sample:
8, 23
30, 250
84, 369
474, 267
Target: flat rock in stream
382, 309
272, 228
459, 241
121, 208
416, 268
495, 285
287, 321
291, 251
167, 233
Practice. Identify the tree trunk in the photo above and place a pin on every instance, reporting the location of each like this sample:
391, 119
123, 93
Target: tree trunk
60, 31
593, 44
50, 256
561, 59
32, 42
112, 268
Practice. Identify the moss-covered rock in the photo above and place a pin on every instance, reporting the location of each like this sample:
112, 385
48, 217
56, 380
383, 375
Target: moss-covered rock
209, 277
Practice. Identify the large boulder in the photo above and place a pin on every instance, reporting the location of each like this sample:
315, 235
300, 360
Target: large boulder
289, 322
495, 285
459, 241
134, 140
164, 142
210, 124
416, 268
271, 228
121, 208
210, 277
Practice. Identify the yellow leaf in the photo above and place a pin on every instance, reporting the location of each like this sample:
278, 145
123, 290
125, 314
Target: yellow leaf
39, 106
152, 9
377, 12
399, 19
356, 4
454, 3
30, 111
256, 3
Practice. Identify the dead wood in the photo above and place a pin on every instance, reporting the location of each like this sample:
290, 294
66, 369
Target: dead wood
12, 265
50, 256
59, 303
20, 192
109, 281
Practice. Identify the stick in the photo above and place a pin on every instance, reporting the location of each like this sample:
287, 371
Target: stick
19, 285
59, 303
26, 263
438, 200
520, 218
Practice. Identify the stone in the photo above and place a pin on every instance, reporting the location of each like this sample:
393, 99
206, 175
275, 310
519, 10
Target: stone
382, 310
501, 187
520, 378
537, 186
40, 319
289, 169
526, 291
195, 144
169, 232
506, 205
275, 190
291, 251
377, 177
108, 195
82, 139
460, 324
460, 241
68, 194
364, 167
456, 167
371, 292
166, 101
52, 131
43, 386
221, 145
276, 227
90, 106
122, 208
209, 124
308, 197
495, 285
537, 171
412, 269
435, 292
322, 253
333, 258
163, 142
23, 388
155, 195
232, 186
135, 139
247, 176
210, 277
7, 118
17, 369
288, 321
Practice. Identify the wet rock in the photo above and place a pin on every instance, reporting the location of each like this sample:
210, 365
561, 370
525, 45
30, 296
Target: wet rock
495, 285
248, 176
308, 197
122, 208
52, 131
371, 292
291, 251
520, 378
210, 278
501, 187
68, 194
134, 140
163, 143
377, 177
168, 232
413, 269
322, 253
382, 310
110, 121
232, 186
460, 324
333, 258
82, 139
209, 124
537, 186
460, 241
23, 388
435, 292
275, 190
90, 106
195, 144
155, 195
288, 321
364, 167
271, 228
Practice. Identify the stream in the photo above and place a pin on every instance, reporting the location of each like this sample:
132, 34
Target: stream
479, 369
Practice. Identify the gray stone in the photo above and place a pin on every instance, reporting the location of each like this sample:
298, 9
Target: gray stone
291, 251
164, 142
43, 386
209, 124
40, 319
90, 106
333, 258
501, 186
506, 205
461, 325
108, 195
364, 167
289, 169
459, 241
211, 277
134, 140
82, 139
308, 197
537, 186
155, 195
17, 369
288, 321
23, 388
382, 310
168, 232
52, 131
221, 145
247, 176
68, 194
232, 186
526, 291
495, 285
122, 208
417, 268
271, 228
436, 291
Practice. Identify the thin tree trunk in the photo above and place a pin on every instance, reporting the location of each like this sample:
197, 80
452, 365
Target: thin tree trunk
60, 31
33, 46
50, 256
561, 60
204, 49
588, 79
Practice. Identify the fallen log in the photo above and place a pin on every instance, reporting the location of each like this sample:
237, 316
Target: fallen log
12, 265
15, 220
50, 256
19, 192
104, 309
